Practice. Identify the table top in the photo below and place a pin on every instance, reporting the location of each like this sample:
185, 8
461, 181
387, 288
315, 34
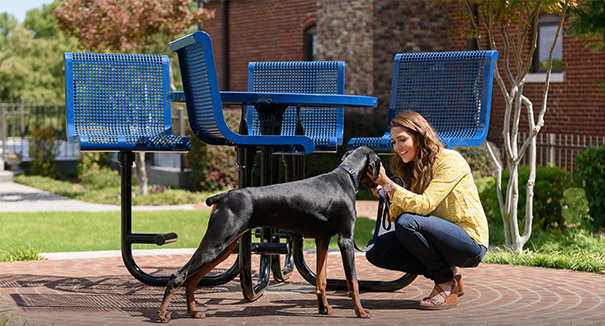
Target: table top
231, 97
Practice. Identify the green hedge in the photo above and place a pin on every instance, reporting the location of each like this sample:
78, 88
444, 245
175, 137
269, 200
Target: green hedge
590, 175
556, 203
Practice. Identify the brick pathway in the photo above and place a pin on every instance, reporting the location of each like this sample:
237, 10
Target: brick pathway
99, 291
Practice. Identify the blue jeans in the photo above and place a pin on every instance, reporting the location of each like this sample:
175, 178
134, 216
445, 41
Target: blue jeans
425, 245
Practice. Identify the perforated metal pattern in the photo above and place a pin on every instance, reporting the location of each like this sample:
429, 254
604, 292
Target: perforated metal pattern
197, 77
118, 102
445, 88
451, 90
371, 142
322, 124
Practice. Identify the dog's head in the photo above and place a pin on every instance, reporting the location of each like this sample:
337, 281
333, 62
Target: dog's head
361, 160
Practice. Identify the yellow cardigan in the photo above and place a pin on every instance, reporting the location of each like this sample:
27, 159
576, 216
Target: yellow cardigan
451, 195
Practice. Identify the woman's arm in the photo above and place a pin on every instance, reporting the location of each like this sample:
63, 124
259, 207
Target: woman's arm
447, 173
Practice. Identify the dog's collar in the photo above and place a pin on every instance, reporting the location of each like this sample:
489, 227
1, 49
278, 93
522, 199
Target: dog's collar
352, 174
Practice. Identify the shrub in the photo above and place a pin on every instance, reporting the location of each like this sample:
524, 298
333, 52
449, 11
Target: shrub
213, 167
43, 149
574, 208
479, 159
590, 175
92, 161
100, 178
94, 171
551, 182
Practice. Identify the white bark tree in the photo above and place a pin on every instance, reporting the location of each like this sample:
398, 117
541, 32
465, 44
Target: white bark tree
512, 29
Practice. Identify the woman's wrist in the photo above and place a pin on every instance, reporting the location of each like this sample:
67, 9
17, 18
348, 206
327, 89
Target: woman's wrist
388, 186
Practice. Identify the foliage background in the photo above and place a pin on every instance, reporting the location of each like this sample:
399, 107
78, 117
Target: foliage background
31, 57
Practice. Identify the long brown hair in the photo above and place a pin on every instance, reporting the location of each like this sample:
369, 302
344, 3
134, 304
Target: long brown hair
418, 173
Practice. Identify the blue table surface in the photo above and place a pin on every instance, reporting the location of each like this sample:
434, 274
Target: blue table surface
230, 97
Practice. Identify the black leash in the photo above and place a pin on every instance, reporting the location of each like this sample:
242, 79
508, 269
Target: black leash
383, 217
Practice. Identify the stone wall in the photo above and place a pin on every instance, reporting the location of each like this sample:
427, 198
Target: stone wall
344, 33
368, 33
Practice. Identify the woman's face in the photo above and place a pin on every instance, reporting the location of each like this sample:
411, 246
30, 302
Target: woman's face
404, 144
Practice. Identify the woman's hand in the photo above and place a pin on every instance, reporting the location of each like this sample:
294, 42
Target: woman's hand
382, 176
376, 190
380, 181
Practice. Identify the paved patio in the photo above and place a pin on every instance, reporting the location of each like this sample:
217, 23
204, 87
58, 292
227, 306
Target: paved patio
99, 291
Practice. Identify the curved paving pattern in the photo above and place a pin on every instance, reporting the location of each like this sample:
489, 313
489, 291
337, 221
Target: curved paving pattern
100, 291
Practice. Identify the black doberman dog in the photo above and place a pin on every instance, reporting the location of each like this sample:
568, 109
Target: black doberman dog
317, 207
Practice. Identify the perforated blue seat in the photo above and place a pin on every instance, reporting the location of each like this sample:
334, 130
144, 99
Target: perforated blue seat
204, 104
451, 90
117, 102
324, 125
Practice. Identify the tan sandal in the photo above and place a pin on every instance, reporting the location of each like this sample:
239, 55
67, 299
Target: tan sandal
451, 301
458, 278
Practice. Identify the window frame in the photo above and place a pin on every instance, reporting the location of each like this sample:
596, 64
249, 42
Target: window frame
547, 20
311, 43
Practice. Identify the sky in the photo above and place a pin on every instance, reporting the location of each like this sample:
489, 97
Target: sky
18, 8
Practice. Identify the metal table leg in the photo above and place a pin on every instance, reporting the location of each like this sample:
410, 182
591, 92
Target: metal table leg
251, 292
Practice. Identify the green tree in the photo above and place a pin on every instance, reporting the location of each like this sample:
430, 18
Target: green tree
588, 23
42, 22
128, 26
31, 57
512, 28
7, 25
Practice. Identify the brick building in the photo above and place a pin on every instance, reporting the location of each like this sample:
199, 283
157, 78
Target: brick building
368, 33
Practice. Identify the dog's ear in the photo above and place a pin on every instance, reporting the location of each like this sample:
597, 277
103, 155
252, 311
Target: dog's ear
345, 155
374, 163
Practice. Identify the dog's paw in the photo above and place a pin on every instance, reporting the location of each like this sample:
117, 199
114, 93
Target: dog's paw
164, 316
197, 314
363, 313
326, 310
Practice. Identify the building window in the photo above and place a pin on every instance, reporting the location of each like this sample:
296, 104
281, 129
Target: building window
311, 43
547, 29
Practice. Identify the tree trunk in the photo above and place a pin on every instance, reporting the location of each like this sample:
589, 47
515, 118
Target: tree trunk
141, 172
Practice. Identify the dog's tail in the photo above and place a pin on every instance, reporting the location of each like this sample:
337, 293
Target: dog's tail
215, 199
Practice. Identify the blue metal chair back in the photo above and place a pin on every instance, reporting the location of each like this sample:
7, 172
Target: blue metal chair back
117, 102
324, 125
451, 90
204, 105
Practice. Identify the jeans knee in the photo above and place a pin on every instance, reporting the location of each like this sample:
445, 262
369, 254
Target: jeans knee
373, 256
406, 223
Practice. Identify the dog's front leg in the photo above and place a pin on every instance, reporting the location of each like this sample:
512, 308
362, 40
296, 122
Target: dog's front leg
321, 279
348, 260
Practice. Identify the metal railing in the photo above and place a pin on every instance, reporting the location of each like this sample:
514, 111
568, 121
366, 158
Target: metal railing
558, 149
19, 119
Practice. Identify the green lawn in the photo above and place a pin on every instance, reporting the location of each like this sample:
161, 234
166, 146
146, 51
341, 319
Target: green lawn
90, 231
